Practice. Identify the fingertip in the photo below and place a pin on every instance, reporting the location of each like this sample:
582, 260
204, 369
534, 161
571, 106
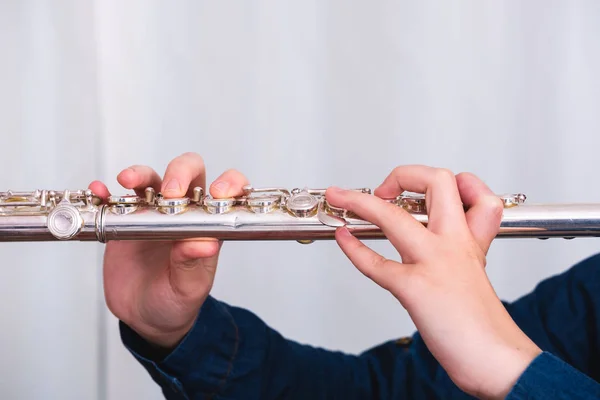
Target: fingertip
99, 189
380, 191
346, 240
96, 184
387, 190
172, 188
220, 188
194, 249
127, 178
192, 155
341, 235
229, 184
471, 187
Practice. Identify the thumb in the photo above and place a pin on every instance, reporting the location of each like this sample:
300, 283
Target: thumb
388, 274
193, 265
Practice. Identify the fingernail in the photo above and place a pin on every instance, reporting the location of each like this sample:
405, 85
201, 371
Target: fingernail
336, 189
221, 186
344, 232
172, 186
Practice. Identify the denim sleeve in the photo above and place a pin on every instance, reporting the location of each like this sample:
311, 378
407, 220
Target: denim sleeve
230, 353
548, 377
562, 316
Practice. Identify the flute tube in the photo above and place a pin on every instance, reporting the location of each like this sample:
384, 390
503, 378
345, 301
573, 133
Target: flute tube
272, 214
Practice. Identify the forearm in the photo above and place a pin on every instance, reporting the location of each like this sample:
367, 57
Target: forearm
231, 353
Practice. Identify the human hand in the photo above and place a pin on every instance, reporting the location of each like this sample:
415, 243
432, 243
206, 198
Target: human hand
157, 288
441, 280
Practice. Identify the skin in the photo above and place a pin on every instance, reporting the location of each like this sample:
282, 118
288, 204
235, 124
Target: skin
158, 288
441, 280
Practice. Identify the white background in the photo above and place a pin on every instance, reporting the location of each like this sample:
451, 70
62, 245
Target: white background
311, 93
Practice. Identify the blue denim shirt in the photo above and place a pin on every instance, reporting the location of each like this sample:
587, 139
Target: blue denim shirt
232, 354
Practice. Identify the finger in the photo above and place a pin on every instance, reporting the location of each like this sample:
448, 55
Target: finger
371, 264
406, 233
229, 184
99, 189
138, 178
484, 209
189, 262
183, 174
443, 202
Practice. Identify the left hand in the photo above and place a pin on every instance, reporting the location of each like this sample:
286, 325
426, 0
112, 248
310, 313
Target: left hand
441, 280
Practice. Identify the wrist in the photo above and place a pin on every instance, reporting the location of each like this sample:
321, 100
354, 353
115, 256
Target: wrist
511, 361
163, 341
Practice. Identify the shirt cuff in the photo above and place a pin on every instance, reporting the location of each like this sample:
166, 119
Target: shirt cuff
548, 377
204, 357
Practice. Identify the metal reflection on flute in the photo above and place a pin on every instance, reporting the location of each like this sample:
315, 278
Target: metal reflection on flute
299, 214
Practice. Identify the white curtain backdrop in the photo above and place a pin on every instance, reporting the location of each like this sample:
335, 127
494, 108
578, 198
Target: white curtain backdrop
300, 93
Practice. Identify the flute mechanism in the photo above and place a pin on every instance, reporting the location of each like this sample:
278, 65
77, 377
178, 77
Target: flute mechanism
300, 214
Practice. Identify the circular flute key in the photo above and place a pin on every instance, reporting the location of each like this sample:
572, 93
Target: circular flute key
339, 212
124, 204
414, 202
64, 222
262, 205
127, 199
302, 204
172, 206
218, 206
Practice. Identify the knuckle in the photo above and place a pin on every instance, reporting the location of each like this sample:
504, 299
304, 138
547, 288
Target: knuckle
377, 261
464, 177
496, 207
372, 268
370, 274
464, 174
408, 286
398, 170
188, 159
232, 172
192, 155
444, 174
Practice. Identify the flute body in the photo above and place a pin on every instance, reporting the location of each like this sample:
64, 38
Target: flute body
302, 215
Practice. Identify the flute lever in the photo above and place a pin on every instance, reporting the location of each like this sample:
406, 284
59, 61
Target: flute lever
329, 219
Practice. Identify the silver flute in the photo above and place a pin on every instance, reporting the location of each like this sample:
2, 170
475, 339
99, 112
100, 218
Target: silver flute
299, 214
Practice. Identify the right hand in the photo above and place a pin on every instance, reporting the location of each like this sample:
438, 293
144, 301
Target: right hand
157, 288
441, 278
